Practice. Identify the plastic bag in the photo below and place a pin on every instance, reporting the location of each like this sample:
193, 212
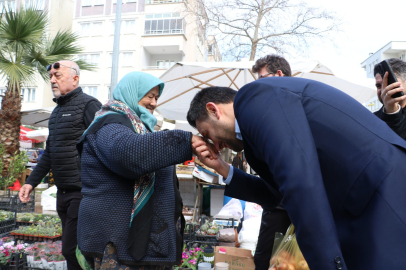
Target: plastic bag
81, 260
48, 202
288, 255
232, 208
252, 210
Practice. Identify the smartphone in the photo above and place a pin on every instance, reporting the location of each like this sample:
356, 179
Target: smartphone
385, 67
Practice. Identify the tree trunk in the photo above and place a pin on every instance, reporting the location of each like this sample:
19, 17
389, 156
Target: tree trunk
253, 50
10, 121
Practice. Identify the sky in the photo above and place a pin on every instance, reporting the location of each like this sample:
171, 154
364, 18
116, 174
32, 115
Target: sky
368, 26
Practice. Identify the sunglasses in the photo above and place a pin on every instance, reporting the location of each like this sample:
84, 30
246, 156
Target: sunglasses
265, 75
57, 65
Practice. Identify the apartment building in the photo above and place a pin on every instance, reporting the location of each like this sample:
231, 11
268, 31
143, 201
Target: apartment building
60, 12
394, 49
155, 34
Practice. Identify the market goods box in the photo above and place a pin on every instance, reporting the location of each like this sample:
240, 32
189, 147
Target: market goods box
237, 258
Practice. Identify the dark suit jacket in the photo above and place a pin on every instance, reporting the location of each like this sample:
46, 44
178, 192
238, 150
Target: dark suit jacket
337, 170
397, 122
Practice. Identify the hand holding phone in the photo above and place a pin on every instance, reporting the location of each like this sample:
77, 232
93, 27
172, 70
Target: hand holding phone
385, 67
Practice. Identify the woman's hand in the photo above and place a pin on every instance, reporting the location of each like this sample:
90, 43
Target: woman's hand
208, 155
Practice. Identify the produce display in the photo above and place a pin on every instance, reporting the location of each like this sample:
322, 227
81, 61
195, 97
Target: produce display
43, 229
208, 229
36, 218
187, 211
6, 215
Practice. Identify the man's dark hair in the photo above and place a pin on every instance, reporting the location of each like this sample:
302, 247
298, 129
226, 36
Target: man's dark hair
215, 94
398, 66
273, 63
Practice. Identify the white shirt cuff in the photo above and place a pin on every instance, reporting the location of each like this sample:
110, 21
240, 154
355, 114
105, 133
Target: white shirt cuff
230, 175
393, 112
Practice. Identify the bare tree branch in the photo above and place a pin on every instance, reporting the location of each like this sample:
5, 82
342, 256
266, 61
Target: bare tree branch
246, 28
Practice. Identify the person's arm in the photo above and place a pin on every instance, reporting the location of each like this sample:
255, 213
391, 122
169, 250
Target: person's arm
250, 188
132, 155
285, 142
41, 169
90, 110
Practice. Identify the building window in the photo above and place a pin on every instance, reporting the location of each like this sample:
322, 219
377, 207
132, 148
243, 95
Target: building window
91, 58
125, 1
7, 5
38, 4
127, 27
91, 29
164, 23
90, 90
28, 94
125, 59
87, 3
164, 64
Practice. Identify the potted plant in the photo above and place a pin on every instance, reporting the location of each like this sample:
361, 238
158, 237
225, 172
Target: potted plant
190, 258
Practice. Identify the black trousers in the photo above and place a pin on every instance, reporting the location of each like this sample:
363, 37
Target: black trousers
67, 205
273, 221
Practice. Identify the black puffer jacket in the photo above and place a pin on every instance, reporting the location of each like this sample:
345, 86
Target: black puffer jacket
70, 118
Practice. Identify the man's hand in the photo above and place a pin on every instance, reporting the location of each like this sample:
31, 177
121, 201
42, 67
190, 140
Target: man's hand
207, 154
25, 192
391, 104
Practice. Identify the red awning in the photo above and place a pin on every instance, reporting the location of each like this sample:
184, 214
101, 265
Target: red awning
23, 132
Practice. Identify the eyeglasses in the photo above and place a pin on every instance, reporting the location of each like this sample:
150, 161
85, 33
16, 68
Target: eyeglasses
57, 65
265, 75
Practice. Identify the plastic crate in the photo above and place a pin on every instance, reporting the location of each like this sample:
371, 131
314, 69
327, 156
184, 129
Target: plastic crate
206, 238
7, 226
16, 262
12, 202
33, 238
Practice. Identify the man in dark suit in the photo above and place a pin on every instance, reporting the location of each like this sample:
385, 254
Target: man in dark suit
337, 170
393, 111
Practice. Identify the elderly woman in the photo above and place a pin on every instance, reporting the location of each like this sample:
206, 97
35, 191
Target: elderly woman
131, 202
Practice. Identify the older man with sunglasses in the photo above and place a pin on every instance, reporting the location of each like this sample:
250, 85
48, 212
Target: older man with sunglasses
74, 112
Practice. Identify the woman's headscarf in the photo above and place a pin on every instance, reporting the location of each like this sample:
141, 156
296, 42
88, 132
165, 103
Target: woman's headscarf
132, 88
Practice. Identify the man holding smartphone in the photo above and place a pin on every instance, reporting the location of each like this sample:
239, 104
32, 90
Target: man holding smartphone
393, 111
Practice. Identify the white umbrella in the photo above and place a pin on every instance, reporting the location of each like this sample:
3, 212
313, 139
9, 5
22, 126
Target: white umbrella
39, 135
184, 80
36, 118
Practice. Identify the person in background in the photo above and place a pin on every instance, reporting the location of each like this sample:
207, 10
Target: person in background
273, 220
72, 115
393, 111
131, 203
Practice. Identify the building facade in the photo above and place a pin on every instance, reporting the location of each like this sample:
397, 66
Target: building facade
394, 49
155, 34
39, 95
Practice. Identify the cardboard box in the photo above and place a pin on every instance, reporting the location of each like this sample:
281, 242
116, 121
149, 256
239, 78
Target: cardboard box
237, 258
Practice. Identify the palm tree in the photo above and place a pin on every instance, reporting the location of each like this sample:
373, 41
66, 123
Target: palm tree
25, 51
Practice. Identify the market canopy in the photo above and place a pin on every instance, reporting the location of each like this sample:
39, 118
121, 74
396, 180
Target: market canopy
36, 118
185, 79
39, 135
23, 135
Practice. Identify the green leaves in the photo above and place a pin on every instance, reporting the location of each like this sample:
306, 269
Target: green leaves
26, 48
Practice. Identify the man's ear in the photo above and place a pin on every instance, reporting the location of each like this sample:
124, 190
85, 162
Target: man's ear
76, 80
213, 110
280, 73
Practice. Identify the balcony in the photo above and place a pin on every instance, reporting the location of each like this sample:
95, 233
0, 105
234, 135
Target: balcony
154, 2
164, 26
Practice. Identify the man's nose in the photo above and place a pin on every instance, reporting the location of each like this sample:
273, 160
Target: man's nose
53, 79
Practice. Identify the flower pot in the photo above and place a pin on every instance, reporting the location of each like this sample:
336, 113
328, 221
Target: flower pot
37, 264
60, 265
30, 260
45, 263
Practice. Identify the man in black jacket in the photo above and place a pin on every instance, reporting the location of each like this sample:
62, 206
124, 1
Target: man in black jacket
74, 112
393, 111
